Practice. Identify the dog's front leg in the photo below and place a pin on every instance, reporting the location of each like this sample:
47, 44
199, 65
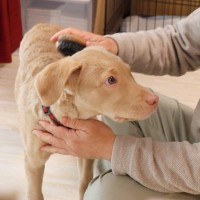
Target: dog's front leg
34, 165
34, 162
86, 175
34, 176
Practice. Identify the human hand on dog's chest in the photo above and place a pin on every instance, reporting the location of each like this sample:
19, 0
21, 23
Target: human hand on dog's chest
90, 139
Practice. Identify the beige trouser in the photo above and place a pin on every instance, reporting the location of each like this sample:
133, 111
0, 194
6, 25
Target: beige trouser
161, 126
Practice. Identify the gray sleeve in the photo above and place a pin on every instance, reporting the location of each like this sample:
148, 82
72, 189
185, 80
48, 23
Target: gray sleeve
171, 50
155, 164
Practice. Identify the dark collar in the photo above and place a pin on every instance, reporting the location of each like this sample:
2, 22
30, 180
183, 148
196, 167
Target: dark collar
47, 111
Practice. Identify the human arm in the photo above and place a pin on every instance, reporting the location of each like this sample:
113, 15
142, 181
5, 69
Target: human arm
160, 166
171, 50
167, 158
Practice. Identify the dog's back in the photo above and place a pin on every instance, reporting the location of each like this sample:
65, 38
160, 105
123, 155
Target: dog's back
36, 47
36, 51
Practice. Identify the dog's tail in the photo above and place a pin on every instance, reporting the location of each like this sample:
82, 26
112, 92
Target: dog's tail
69, 44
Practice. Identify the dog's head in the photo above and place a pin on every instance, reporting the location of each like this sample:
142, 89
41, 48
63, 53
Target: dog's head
99, 82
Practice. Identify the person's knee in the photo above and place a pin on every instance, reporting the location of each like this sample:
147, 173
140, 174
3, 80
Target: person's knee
110, 187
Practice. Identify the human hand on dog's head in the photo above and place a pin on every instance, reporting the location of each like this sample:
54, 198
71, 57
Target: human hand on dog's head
90, 139
90, 39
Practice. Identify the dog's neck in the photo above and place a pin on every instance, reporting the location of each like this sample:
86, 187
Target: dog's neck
71, 106
47, 111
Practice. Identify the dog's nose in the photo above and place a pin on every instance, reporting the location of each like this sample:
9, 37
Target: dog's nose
152, 100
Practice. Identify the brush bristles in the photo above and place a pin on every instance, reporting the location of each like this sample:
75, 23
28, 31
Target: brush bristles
69, 45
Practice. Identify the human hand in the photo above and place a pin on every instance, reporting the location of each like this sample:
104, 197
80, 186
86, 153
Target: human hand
90, 39
90, 139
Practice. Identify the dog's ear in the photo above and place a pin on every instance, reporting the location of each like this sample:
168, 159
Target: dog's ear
50, 82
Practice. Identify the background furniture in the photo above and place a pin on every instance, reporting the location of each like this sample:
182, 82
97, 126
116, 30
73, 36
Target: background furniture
66, 13
158, 10
98, 16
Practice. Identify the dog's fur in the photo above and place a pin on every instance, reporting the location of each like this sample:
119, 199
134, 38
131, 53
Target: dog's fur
75, 86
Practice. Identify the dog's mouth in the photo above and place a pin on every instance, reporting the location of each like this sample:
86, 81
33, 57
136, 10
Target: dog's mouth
124, 119
121, 119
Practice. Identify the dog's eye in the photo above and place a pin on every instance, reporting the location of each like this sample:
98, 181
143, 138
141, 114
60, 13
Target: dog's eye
111, 80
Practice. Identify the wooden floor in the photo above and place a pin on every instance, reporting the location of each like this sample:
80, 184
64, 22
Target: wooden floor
61, 171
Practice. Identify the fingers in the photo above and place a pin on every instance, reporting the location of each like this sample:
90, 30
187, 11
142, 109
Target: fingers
90, 39
57, 138
67, 132
54, 38
72, 31
57, 131
52, 149
86, 36
48, 138
77, 124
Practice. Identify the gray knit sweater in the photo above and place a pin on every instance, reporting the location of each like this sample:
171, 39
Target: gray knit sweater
171, 50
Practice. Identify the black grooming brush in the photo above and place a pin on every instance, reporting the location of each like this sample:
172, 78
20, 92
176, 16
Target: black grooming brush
70, 44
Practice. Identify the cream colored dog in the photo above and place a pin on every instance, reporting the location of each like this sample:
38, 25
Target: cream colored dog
91, 82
